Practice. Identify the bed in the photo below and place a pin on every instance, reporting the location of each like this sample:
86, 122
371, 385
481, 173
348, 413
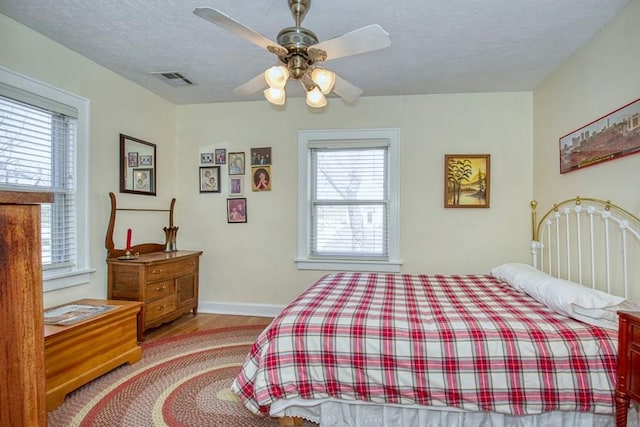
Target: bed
524, 345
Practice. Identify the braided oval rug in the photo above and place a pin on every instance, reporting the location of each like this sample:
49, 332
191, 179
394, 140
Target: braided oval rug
180, 381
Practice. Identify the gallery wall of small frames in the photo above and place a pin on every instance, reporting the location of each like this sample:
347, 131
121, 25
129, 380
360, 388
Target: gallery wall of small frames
213, 167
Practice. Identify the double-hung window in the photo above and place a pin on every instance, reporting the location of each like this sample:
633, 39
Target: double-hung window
42, 144
348, 200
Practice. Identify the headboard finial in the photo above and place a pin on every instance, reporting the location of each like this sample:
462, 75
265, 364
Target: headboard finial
607, 207
577, 200
534, 219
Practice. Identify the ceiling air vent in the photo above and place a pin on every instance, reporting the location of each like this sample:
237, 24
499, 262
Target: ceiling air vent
174, 78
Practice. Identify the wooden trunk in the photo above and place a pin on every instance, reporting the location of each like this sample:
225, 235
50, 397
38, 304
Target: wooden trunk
81, 352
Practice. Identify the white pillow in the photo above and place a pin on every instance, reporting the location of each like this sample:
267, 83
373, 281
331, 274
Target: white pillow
570, 299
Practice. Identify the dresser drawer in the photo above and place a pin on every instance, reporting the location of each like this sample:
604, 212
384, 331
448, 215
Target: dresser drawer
160, 307
173, 269
158, 289
635, 334
634, 376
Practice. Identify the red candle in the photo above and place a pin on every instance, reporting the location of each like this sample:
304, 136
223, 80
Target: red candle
128, 239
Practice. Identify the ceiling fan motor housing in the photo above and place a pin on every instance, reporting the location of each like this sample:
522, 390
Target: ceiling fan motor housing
297, 40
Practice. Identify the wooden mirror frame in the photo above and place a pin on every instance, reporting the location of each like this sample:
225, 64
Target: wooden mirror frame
137, 157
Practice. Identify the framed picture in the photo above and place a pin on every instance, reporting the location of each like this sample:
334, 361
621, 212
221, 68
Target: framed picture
614, 135
135, 153
237, 210
132, 160
210, 179
143, 180
206, 158
261, 178
261, 156
236, 185
236, 163
466, 180
145, 160
221, 156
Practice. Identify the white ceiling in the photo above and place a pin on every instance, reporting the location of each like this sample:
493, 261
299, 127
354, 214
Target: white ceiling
437, 46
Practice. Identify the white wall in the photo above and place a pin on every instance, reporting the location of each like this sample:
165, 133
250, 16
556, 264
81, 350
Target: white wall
117, 106
601, 77
254, 262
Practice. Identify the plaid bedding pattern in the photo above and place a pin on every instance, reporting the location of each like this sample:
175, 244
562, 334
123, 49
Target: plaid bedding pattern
470, 342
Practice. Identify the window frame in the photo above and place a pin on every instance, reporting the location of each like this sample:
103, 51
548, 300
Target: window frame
348, 138
80, 273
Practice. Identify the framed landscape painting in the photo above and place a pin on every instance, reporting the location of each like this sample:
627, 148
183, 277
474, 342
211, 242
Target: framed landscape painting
466, 180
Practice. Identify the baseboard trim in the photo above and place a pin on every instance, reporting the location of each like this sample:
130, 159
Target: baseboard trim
239, 308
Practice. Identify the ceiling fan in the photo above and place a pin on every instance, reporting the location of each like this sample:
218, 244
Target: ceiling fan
301, 54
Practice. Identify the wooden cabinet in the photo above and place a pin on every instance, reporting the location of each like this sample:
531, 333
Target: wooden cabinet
628, 373
22, 388
166, 282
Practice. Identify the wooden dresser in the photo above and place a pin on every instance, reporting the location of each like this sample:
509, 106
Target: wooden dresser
22, 387
166, 282
628, 387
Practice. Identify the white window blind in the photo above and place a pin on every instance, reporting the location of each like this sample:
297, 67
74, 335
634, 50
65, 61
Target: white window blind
37, 152
349, 202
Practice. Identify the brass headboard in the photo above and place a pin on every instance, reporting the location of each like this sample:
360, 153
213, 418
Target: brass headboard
589, 241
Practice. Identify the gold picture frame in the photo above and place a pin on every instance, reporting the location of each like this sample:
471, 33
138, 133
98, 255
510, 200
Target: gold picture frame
467, 180
261, 178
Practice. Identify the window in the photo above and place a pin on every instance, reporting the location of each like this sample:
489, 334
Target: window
43, 147
348, 200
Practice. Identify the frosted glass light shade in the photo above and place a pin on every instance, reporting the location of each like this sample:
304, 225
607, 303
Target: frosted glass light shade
275, 96
316, 99
324, 79
276, 76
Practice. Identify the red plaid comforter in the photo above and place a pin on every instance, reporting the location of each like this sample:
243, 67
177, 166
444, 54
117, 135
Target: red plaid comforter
470, 342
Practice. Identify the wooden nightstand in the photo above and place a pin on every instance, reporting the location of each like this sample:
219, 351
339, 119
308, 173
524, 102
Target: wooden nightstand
628, 364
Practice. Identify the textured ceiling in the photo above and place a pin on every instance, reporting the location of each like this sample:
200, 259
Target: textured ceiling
437, 46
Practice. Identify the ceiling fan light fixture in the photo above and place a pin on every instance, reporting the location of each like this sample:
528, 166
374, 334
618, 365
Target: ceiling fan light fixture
316, 99
276, 76
275, 96
324, 79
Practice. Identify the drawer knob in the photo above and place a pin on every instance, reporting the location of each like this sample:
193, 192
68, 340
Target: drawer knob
162, 307
161, 288
156, 271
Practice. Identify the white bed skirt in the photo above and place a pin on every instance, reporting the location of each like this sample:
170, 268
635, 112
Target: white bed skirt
335, 413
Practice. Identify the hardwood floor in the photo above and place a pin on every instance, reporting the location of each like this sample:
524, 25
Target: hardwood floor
202, 321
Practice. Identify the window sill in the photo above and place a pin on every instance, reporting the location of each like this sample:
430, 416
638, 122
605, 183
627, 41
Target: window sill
348, 265
59, 280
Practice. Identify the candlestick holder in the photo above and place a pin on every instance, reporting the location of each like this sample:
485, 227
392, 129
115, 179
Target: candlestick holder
129, 255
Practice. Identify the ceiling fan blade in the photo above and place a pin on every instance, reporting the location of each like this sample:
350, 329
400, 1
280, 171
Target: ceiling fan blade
350, 93
252, 86
365, 39
230, 24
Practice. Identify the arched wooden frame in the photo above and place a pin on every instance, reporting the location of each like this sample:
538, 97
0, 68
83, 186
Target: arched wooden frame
142, 248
